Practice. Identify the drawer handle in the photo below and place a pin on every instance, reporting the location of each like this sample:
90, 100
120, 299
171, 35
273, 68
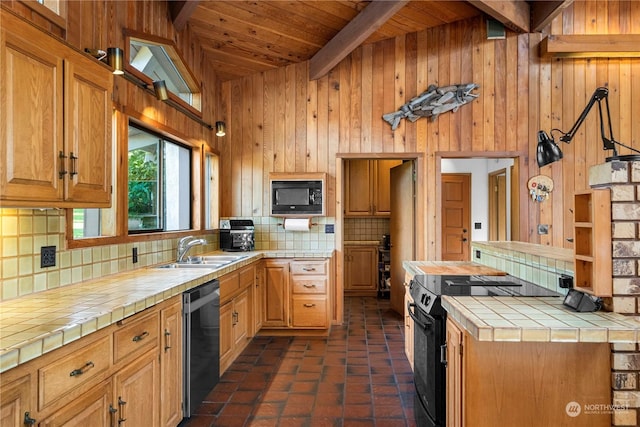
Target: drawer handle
82, 370
309, 286
140, 337
28, 421
309, 268
309, 305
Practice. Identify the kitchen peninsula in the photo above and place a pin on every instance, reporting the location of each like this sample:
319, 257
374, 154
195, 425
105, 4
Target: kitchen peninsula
520, 360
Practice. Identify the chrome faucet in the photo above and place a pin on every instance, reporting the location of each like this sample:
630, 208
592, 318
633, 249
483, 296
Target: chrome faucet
185, 244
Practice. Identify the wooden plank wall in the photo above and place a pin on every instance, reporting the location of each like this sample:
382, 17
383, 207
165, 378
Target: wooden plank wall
282, 122
565, 87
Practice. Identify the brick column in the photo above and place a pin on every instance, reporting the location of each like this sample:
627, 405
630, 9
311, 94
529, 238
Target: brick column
623, 178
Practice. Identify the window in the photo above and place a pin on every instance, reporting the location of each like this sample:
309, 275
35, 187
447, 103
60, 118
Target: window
159, 183
152, 60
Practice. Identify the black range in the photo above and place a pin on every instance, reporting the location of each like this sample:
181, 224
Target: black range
430, 331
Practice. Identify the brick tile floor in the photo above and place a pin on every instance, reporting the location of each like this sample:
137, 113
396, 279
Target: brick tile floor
358, 376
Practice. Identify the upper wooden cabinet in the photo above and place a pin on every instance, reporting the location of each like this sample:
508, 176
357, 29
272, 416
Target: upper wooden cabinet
55, 121
368, 187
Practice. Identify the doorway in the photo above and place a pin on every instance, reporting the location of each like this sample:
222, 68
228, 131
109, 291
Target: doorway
502, 221
344, 221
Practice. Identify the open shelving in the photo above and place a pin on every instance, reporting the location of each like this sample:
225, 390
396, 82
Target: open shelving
592, 242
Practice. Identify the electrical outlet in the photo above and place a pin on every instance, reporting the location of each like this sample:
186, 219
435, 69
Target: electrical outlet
543, 228
328, 228
134, 255
47, 256
477, 254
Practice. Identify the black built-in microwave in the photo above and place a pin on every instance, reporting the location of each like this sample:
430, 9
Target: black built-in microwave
302, 197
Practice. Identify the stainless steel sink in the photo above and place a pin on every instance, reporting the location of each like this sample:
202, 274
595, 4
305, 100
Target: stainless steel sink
205, 261
189, 265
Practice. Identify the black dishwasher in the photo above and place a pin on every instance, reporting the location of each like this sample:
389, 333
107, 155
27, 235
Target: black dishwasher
201, 311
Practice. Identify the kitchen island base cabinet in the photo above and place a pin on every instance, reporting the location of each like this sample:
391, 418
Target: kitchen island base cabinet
525, 384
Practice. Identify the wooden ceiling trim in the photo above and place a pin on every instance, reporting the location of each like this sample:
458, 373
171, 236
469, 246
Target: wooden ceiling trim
591, 46
543, 12
512, 13
181, 11
352, 36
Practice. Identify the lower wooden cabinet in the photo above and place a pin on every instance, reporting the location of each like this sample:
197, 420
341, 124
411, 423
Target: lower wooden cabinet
16, 401
93, 409
296, 296
137, 392
236, 313
525, 383
408, 329
361, 276
171, 370
128, 374
276, 293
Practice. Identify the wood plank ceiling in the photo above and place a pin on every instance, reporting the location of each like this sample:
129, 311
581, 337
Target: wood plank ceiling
241, 38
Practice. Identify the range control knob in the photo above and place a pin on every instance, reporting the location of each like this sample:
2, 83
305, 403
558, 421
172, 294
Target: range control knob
426, 299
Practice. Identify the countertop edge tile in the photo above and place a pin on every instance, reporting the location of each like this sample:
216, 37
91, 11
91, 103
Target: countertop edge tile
471, 312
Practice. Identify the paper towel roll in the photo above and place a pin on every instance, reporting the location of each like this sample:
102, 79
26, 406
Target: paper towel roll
297, 224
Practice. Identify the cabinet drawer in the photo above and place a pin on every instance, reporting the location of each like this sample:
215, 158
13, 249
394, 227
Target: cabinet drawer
135, 338
229, 285
309, 312
309, 285
78, 368
309, 267
247, 277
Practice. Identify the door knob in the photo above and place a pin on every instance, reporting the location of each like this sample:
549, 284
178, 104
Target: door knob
464, 230
464, 239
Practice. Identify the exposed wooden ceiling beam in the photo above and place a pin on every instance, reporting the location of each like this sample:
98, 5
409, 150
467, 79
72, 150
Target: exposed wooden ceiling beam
543, 12
352, 35
181, 11
514, 14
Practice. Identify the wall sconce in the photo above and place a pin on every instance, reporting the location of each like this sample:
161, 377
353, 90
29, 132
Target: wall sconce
113, 57
160, 88
549, 152
221, 129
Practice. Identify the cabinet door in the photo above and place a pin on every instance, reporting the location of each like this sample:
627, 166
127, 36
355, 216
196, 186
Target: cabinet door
171, 365
454, 375
241, 324
92, 409
88, 109
15, 401
408, 331
136, 392
382, 187
358, 176
32, 115
258, 300
226, 335
360, 262
276, 293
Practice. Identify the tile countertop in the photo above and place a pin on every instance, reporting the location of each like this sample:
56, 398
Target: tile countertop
542, 319
36, 324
